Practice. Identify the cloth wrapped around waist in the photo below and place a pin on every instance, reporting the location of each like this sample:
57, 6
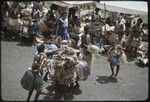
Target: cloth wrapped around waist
65, 77
83, 70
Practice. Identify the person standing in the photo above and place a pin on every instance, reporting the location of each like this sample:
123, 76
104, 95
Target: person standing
85, 38
33, 30
114, 59
120, 26
62, 27
96, 16
136, 36
37, 82
78, 31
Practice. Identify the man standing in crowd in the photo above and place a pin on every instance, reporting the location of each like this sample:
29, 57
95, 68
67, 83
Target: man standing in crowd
96, 16
136, 36
120, 26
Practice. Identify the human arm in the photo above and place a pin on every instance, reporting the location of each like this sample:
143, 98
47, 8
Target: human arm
88, 39
57, 31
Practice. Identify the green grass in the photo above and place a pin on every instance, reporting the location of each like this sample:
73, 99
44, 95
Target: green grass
48, 4
144, 18
131, 61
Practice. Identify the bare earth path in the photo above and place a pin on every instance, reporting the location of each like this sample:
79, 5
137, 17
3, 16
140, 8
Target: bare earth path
132, 82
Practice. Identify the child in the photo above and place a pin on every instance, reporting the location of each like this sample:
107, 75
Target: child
114, 59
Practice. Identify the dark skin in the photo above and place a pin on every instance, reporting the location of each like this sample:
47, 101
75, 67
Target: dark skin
64, 16
117, 67
112, 70
31, 91
134, 49
32, 87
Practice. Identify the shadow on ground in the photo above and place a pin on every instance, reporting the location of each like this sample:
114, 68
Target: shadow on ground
141, 65
10, 39
60, 94
25, 44
106, 79
25, 41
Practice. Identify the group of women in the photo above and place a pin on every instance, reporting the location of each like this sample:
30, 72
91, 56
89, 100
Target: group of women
65, 66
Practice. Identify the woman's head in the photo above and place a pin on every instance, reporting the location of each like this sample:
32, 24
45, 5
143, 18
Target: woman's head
64, 15
97, 10
139, 21
40, 48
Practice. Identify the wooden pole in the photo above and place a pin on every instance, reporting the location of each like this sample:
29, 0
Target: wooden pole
105, 17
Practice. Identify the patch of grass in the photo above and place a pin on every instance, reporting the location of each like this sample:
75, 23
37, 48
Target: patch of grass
101, 57
131, 60
48, 4
144, 18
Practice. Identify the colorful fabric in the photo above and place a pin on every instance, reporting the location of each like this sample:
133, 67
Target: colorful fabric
83, 70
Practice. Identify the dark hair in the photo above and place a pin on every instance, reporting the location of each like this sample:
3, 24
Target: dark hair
40, 48
121, 14
64, 13
140, 20
75, 17
86, 28
97, 9
144, 25
54, 7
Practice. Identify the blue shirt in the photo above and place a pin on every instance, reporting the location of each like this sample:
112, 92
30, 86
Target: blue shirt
35, 28
63, 29
115, 59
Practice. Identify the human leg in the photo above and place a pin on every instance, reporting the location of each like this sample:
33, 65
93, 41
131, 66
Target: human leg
135, 52
31, 89
117, 70
29, 95
112, 70
37, 96
34, 40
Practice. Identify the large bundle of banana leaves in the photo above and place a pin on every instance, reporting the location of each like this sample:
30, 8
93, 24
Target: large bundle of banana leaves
65, 70
93, 48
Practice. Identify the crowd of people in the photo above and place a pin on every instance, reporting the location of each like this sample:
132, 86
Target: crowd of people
63, 51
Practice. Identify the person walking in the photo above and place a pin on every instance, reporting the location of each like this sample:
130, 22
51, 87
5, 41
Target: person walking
37, 82
114, 59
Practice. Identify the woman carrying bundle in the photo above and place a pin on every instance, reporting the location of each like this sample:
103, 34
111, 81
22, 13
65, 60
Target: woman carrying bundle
37, 81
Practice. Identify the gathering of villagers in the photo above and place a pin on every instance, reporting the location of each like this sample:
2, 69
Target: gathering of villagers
66, 43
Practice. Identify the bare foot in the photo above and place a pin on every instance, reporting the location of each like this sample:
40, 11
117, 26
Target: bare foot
111, 75
115, 76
